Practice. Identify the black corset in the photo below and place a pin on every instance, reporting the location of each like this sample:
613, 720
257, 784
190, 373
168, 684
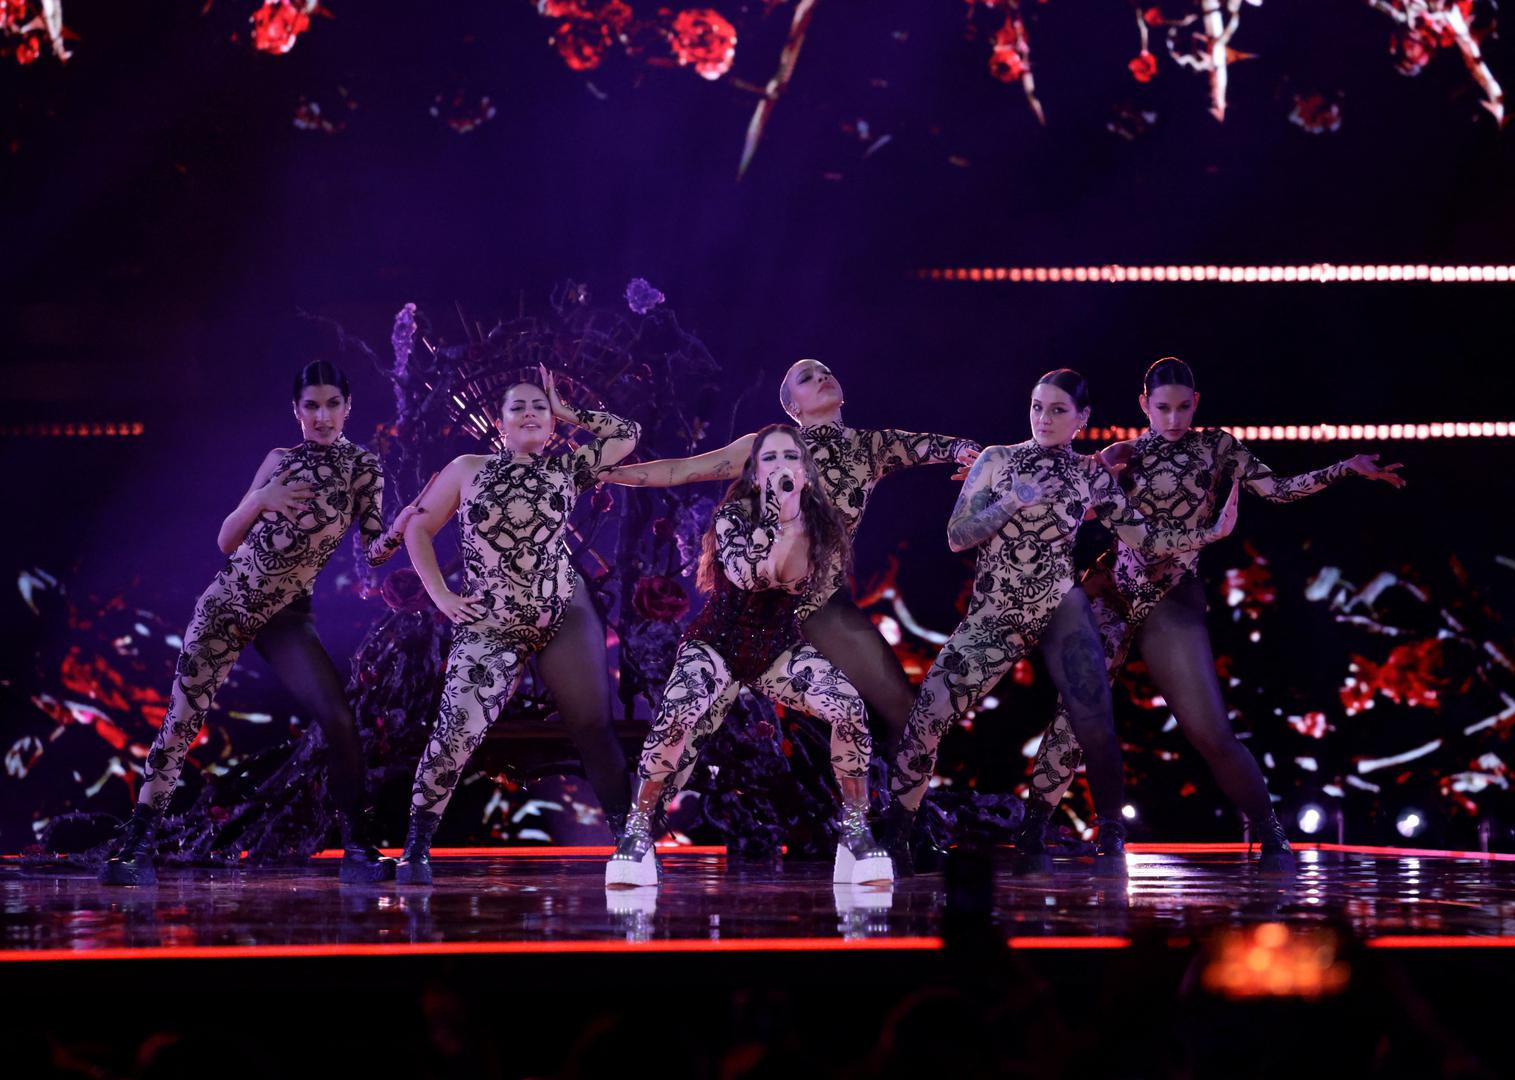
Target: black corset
750, 629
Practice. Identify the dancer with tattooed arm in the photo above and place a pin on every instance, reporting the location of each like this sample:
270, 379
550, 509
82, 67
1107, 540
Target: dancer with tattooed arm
1173, 476
850, 463
521, 597
1021, 506
775, 543
294, 515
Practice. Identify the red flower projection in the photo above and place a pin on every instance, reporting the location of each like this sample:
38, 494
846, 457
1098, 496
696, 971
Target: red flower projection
1413, 50
1412, 675
1315, 114
1311, 724
582, 43
1143, 67
660, 598
1250, 587
278, 24
705, 40
12, 16
1009, 56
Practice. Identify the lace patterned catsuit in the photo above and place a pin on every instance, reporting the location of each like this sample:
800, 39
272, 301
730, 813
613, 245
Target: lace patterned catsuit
851, 462
748, 634
1158, 603
275, 566
1024, 597
511, 518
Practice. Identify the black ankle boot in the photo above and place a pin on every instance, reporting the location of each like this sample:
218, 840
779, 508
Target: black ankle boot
616, 823
362, 862
133, 861
1031, 839
1110, 849
1277, 857
894, 829
415, 863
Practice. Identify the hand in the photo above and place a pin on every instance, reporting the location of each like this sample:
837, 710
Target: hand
1227, 520
281, 495
1028, 490
554, 402
965, 459
775, 498
1367, 465
460, 609
403, 519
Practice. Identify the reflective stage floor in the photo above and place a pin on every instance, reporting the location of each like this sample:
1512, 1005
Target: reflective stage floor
519, 963
547, 900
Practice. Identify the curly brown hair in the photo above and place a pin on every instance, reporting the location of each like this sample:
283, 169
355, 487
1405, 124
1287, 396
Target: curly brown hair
823, 521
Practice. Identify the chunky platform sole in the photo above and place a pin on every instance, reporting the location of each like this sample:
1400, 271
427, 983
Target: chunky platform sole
632, 873
117, 872
851, 870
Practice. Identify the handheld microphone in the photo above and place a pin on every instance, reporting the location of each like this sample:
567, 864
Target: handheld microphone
787, 483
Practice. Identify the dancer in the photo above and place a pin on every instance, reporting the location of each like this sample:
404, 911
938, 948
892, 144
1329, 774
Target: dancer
521, 597
1020, 506
850, 461
281, 534
776, 542
1173, 475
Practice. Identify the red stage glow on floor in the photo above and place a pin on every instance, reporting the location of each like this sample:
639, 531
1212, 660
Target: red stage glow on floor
544, 851
1439, 941
537, 948
548, 851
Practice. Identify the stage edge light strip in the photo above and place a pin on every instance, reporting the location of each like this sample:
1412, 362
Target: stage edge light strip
95, 429
1313, 273
1447, 429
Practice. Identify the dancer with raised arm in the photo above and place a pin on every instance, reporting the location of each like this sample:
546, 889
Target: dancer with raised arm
1021, 506
775, 543
520, 595
850, 463
1174, 475
300, 503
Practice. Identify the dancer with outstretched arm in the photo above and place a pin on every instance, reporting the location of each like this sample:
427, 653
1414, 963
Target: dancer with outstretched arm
1020, 507
1174, 475
775, 542
850, 462
521, 595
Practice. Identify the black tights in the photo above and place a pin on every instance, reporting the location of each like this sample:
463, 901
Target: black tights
848, 638
1076, 663
292, 648
1176, 646
576, 669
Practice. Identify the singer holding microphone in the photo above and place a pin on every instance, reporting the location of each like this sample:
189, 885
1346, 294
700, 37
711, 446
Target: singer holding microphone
770, 557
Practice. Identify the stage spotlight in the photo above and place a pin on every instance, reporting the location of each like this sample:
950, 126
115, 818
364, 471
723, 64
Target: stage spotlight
1410, 823
1311, 818
1128, 812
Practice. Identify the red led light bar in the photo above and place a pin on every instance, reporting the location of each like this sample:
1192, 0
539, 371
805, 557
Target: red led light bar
1471, 429
1312, 273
